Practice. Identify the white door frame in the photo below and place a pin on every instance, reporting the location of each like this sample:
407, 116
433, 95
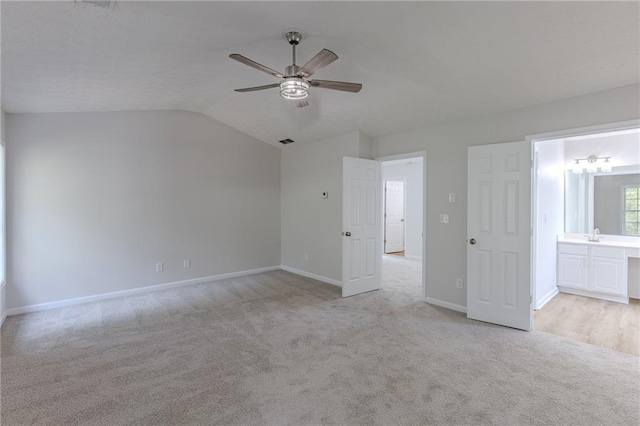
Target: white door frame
531, 140
423, 155
404, 210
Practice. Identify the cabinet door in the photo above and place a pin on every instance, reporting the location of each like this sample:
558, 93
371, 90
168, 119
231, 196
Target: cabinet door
572, 270
607, 275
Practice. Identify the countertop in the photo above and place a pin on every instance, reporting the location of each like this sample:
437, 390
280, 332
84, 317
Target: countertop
605, 241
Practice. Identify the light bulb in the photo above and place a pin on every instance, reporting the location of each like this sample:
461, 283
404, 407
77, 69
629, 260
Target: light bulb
294, 88
577, 169
606, 167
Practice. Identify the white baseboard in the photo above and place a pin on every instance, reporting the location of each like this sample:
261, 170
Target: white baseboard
447, 305
413, 257
544, 300
133, 291
610, 298
310, 275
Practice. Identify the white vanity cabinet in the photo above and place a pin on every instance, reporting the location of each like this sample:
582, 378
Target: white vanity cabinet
572, 266
589, 270
608, 271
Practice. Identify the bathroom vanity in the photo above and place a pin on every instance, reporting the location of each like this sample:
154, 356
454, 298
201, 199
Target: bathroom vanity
596, 268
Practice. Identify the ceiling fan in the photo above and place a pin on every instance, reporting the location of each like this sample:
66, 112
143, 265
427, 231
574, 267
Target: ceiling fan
295, 83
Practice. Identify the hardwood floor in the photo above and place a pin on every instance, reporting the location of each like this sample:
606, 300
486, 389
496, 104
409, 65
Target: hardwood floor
598, 322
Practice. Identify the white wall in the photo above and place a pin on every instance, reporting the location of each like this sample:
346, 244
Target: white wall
365, 147
549, 220
412, 173
311, 225
96, 199
623, 148
446, 147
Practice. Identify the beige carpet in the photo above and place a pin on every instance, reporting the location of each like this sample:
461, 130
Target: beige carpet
402, 274
278, 349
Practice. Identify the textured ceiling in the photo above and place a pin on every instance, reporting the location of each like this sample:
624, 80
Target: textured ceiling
420, 62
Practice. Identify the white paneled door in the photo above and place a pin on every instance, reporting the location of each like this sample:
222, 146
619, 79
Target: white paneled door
393, 216
362, 226
499, 234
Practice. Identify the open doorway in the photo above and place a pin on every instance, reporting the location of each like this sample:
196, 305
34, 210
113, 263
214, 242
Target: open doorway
403, 210
586, 241
394, 213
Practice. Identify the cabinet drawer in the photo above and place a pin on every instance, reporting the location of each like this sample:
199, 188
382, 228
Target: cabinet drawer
573, 249
610, 252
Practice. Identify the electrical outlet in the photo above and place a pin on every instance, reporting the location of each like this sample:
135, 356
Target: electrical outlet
452, 197
159, 267
444, 218
186, 264
459, 283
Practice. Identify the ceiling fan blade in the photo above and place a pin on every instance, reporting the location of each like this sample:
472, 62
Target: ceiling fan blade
337, 85
321, 60
302, 103
254, 64
253, 89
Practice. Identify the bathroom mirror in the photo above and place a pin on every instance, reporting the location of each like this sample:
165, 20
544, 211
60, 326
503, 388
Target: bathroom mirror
608, 201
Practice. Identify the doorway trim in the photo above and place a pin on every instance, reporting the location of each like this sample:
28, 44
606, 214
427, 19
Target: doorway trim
559, 134
423, 155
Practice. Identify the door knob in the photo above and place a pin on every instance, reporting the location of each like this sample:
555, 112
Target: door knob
472, 241
346, 234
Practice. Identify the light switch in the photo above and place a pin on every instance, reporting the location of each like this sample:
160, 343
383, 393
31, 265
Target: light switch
444, 218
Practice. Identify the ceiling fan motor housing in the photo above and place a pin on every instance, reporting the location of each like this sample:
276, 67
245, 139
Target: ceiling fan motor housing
291, 71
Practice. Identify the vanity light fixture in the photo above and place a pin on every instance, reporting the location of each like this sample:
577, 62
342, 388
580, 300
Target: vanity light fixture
592, 165
606, 167
577, 168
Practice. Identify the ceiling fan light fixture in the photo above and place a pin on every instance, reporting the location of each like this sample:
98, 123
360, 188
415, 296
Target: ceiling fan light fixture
294, 88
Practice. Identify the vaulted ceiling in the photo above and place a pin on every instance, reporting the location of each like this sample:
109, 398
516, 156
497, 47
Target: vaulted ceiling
420, 63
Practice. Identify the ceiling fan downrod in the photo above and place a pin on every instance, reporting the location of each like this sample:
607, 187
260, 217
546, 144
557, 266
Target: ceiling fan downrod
294, 38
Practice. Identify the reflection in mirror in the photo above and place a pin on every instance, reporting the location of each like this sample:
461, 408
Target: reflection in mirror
608, 201
615, 204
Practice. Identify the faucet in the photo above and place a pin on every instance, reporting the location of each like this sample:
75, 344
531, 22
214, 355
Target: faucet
595, 237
